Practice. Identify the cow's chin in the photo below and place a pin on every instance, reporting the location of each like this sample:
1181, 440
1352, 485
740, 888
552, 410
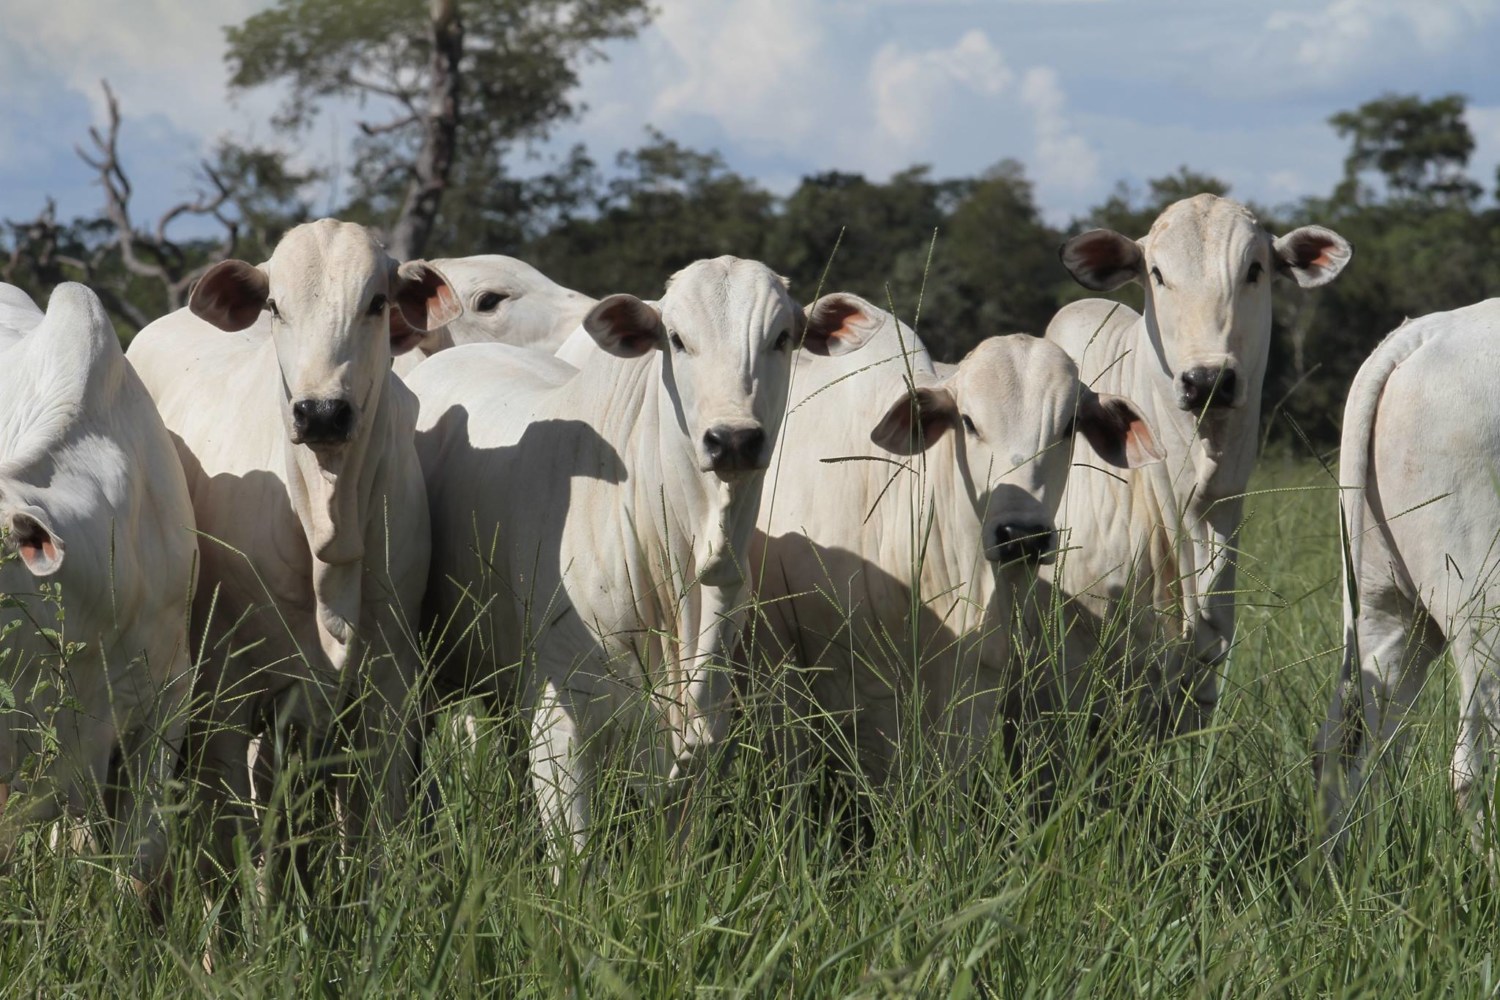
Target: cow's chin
327, 453
734, 475
994, 555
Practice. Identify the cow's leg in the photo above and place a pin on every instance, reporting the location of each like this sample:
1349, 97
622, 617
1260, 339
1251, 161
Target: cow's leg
700, 717
148, 758
386, 746
560, 774
1477, 656
223, 790
1395, 644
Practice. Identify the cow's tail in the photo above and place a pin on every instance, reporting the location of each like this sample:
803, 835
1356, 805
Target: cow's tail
1354, 466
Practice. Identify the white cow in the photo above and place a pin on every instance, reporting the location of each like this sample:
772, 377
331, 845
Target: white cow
506, 301
297, 441
93, 504
893, 585
1149, 566
594, 521
1420, 449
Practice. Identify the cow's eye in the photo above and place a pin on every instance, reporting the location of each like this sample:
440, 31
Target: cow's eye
677, 344
488, 302
969, 425
377, 305
1156, 274
1253, 275
783, 340
271, 305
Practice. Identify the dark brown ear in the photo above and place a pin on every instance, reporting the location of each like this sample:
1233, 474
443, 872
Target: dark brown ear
624, 326
1102, 259
1312, 255
916, 420
840, 322
32, 537
423, 300
230, 295
1116, 430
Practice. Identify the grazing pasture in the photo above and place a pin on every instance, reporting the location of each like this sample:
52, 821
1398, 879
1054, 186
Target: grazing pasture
1182, 869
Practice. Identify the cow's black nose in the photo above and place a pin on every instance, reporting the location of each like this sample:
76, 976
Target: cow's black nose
322, 421
734, 449
1030, 543
1206, 388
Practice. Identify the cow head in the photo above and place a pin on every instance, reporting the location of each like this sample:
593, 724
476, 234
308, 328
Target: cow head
1207, 267
340, 308
1012, 406
506, 301
727, 328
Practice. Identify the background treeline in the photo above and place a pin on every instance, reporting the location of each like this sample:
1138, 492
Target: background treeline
453, 90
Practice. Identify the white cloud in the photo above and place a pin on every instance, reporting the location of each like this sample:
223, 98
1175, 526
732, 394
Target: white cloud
911, 89
759, 67
1349, 36
1063, 158
161, 56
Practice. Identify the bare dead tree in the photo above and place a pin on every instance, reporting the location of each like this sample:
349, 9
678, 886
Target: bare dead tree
440, 122
153, 254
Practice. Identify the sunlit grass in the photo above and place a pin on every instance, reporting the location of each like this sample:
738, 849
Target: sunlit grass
1197, 874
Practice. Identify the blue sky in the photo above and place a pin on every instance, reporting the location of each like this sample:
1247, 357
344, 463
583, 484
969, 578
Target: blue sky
1083, 92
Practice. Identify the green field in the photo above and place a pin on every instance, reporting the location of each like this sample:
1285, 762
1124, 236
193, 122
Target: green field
1196, 873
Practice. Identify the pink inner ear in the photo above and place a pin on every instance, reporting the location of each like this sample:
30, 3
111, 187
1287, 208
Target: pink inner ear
833, 319
443, 306
30, 550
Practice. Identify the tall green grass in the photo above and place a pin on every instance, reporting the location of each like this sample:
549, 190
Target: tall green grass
1197, 874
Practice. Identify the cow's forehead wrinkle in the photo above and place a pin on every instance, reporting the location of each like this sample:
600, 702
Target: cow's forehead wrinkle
1207, 232
1023, 376
707, 296
331, 260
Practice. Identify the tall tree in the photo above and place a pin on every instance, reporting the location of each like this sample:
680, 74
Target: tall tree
1419, 147
454, 86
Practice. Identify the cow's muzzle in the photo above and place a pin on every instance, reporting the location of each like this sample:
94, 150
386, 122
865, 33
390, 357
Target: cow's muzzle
322, 421
735, 449
1204, 388
1032, 544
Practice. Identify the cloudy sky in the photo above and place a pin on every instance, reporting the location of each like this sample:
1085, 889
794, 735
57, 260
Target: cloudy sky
1084, 92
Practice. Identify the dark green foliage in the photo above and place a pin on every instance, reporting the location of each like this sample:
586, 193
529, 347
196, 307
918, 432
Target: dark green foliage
1419, 147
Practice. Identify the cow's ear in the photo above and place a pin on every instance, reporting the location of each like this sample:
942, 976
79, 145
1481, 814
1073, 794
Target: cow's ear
1312, 255
839, 323
624, 326
31, 536
230, 295
1102, 259
915, 421
422, 300
1116, 430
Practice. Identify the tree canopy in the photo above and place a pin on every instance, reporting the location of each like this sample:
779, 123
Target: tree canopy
963, 258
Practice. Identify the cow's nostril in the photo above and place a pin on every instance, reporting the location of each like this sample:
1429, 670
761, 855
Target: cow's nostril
302, 411
714, 444
751, 441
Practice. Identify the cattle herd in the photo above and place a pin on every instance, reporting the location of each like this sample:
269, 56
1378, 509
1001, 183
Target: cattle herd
338, 489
